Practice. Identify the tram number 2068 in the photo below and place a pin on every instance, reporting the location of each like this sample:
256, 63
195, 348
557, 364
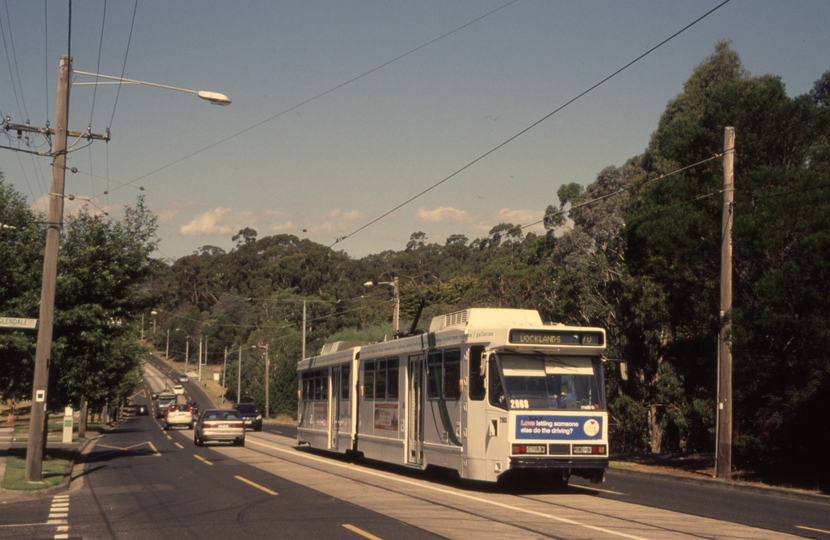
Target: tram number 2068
519, 404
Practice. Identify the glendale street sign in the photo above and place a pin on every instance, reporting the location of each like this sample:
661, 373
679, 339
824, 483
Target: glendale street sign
14, 322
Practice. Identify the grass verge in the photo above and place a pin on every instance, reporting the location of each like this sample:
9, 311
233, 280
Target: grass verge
21, 432
55, 464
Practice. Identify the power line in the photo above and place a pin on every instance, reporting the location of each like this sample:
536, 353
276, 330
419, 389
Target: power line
318, 96
533, 125
124, 67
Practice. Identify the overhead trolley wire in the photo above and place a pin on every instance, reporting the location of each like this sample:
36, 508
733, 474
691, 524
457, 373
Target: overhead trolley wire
533, 125
318, 96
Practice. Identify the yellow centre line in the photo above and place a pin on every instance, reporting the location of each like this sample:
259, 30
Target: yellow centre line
811, 529
203, 460
177, 444
361, 532
589, 488
265, 489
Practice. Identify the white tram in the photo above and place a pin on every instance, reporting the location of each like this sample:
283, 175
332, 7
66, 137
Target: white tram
486, 391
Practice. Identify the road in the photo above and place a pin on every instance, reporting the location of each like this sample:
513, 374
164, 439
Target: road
140, 481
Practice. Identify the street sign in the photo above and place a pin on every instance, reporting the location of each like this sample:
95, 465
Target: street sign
14, 322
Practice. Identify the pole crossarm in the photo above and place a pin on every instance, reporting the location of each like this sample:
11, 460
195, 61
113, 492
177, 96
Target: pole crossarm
47, 131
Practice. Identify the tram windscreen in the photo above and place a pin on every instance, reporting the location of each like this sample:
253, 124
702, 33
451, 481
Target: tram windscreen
552, 382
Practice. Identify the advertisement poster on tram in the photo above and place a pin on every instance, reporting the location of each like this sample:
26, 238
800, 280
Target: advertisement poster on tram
386, 416
320, 414
558, 427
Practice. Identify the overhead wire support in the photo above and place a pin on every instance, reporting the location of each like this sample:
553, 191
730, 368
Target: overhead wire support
47, 132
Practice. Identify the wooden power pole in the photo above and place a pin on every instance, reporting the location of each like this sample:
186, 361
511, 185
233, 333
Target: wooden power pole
34, 452
723, 459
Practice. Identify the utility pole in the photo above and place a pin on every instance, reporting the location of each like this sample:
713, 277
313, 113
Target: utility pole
224, 386
267, 382
396, 314
34, 452
200, 357
239, 377
304, 323
723, 458
167, 351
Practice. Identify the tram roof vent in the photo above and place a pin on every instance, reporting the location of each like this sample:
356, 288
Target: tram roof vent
341, 346
487, 317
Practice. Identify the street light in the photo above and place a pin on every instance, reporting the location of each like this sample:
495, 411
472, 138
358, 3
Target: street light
396, 314
186, 349
214, 98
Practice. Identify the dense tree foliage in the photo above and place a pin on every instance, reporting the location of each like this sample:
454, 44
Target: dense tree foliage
103, 265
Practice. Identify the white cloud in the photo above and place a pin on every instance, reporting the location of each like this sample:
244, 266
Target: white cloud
217, 221
520, 217
168, 214
281, 227
442, 214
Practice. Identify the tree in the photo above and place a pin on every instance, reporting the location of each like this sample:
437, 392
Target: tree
673, 235
21, 265
101, 268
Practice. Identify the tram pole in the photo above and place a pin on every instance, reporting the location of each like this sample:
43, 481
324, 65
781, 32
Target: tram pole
723, 458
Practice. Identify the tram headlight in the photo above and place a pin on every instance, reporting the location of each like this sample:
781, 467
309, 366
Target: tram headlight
596, 449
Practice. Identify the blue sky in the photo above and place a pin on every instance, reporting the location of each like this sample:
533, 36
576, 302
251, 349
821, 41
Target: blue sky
321, 169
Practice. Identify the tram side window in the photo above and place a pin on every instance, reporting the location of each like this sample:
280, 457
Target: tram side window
344, 382
392, 379
495, 389
434, 374
452, 373
324, 384
318, 388
369, 381
380, 380
477, 389
307, 386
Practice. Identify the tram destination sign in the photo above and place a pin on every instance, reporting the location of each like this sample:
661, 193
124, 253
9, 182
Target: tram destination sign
15, 322
556, 337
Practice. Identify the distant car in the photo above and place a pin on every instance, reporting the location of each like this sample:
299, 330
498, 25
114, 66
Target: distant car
251, 414
183, 378
142, 410
180, 414
178, 390
219, 425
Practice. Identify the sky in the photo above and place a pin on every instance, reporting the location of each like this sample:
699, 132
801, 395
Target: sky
344, 110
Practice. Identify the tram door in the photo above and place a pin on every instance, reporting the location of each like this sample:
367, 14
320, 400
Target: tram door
414, 406
334, 408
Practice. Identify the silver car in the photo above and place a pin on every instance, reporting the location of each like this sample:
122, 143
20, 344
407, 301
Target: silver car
219, 425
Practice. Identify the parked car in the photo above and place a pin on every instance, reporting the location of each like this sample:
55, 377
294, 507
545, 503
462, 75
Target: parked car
183, 378
251, 414
179, 414
178, 390
219, 425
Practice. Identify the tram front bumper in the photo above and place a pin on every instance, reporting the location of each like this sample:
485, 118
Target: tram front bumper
592, 469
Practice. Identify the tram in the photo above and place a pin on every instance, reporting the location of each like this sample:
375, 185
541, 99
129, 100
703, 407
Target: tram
483, 392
